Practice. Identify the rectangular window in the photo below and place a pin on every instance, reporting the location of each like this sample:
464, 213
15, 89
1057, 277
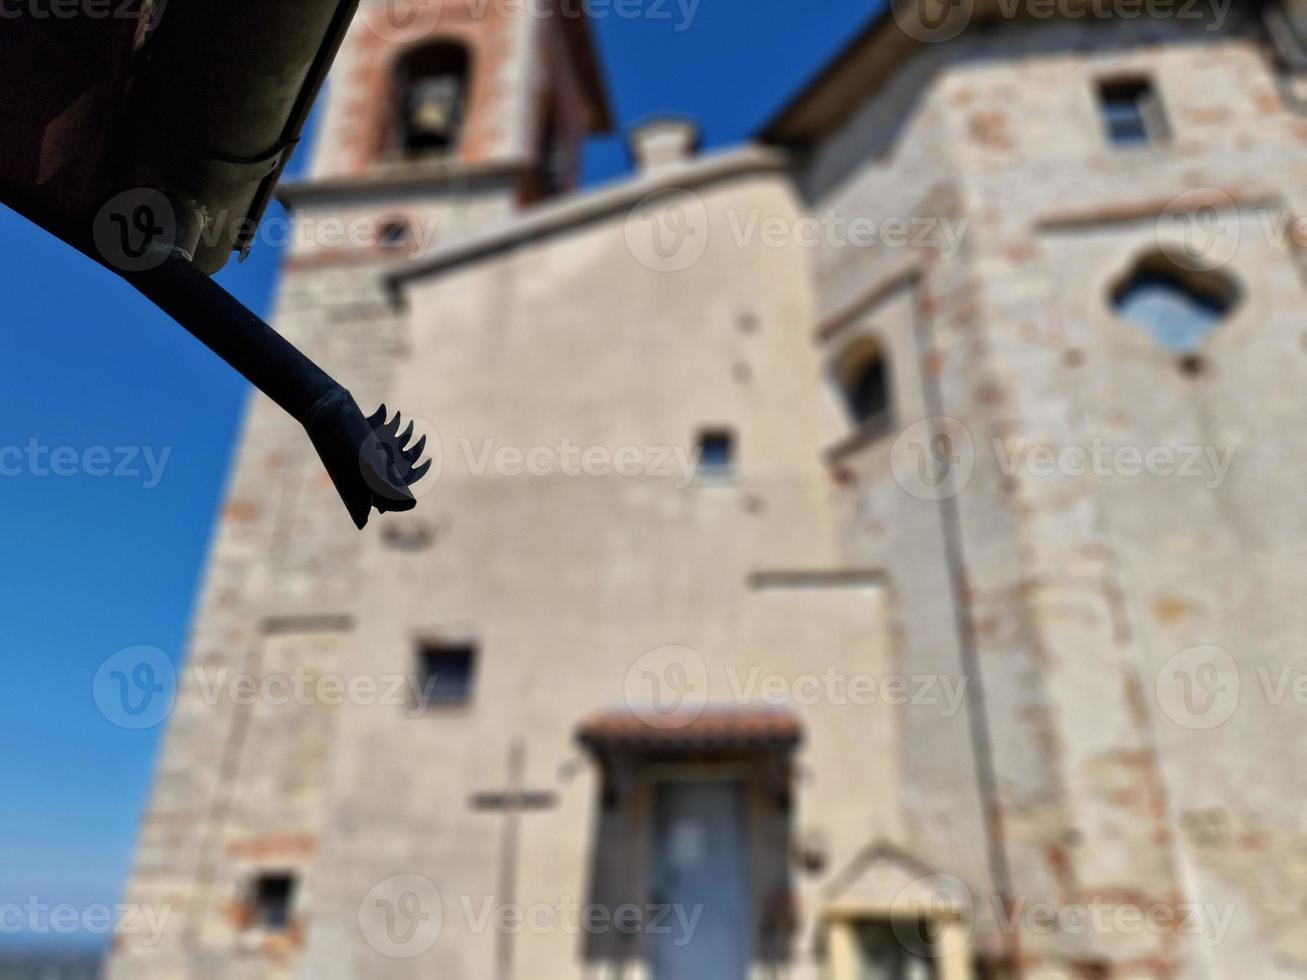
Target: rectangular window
881, 953
445, 672
870, 946
716, 452
1132, 112
273, 899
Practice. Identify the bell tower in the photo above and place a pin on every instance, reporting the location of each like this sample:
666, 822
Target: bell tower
443, 116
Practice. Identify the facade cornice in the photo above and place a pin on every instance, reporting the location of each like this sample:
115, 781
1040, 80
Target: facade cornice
587, 207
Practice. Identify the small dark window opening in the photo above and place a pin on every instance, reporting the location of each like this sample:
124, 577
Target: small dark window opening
863, 377
555, 164
1132, 112
273, 900
716, 452
394, 233
431, 86
408, 535
992, 968
905, 949
446, 672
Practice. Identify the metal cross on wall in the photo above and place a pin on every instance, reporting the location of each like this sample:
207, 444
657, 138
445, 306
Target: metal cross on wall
513, 802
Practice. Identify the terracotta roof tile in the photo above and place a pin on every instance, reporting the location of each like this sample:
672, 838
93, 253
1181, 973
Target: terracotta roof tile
717, 727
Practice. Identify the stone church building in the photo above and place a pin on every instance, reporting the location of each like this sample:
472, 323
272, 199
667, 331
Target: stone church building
874, 551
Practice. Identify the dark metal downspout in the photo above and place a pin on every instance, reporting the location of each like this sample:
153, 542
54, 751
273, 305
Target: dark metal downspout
218, 104
366, 457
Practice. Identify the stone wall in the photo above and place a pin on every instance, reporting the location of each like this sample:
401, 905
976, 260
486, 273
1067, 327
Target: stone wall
1074, 608
569, 582
1082, 593
283, 554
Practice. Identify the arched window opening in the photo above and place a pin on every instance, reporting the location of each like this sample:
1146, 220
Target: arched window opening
431, 86
1176, 306
863, 378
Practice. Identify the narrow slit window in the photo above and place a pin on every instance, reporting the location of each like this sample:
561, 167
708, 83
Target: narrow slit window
446, 672
273, 901
1132, 112
716, 452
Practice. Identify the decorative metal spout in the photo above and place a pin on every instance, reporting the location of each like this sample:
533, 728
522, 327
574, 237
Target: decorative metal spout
368, 459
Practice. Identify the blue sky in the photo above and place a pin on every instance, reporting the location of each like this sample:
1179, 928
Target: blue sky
91, 564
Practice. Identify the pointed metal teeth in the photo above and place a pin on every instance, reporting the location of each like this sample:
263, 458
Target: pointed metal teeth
414, 452
400, 459
418, 472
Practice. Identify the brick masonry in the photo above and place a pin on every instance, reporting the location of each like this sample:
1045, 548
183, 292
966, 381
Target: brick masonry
1062, 780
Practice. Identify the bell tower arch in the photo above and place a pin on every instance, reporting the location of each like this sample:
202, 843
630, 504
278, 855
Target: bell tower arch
442, 116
